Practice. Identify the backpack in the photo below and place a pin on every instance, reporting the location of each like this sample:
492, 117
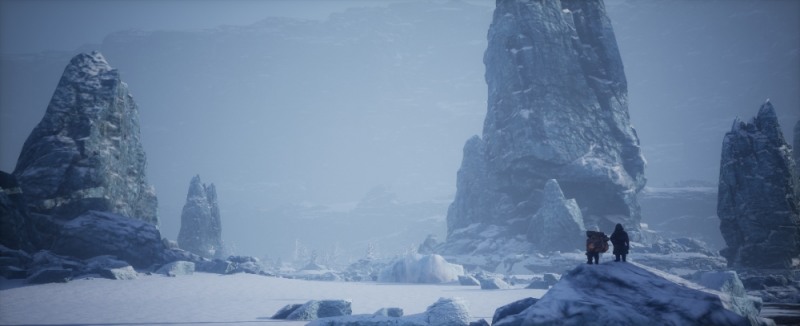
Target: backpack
596, 241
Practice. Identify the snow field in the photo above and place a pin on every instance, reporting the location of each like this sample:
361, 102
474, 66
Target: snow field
224, 299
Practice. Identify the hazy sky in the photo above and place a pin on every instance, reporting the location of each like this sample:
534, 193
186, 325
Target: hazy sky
692, 67
39, 25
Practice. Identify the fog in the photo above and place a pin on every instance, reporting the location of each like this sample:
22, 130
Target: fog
301, 117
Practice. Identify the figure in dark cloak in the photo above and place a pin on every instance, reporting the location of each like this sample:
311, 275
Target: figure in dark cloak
621, 242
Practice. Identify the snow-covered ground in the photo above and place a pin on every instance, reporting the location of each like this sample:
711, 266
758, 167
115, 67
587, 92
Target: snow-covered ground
220, 299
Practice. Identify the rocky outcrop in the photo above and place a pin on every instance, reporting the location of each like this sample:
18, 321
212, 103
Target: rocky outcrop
558, 224
201, 228
557, 109
758, 199
100, 233
86, 152
628, 294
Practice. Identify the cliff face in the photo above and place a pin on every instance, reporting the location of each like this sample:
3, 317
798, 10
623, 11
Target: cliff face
86, 152
201, 227
557, 109
758, 199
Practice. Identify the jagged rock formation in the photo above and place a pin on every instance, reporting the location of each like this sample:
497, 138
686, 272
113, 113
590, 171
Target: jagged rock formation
85, 154
558, 225
758, 199
557, 109
201, 227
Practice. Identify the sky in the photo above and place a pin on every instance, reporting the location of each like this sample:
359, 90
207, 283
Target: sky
29, 26
312, 137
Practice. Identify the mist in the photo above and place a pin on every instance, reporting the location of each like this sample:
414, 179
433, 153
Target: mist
319, 111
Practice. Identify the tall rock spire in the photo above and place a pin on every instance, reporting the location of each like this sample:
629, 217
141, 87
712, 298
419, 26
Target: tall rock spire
86, 153
201, 227
557, 109
758, 195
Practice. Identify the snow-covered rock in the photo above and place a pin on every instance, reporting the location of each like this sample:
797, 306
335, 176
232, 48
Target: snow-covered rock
286, 311
629, 294
416, 268
558, 111
316, 309
728, 282
85, 153
493, 283
111, 268
447, 312
389, 312
759, 203
444, 312
177, 268
558, 224
95, 233
201, 227
468, 280
512, 310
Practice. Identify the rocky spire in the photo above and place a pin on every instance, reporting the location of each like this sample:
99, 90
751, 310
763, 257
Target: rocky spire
86, 153
557, 109
201, 227
558, 225
758, 199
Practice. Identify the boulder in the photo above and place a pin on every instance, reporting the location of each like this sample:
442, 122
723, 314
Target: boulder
389, 312
558, 224
316, 309
97, 233
758, 203
245, 264
177, 268
480, 322
201, 227
447, 312
444, 312
629, 294
512, 309
111, 268
287, 310
493, 283
86, 154
416, 268
216, 266
557, 109
468, 280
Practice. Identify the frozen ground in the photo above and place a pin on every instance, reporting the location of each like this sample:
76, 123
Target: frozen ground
239, 299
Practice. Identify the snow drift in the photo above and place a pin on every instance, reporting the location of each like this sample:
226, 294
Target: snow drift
416, 268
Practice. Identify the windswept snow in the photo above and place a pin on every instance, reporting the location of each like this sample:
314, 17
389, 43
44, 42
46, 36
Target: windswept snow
244, 299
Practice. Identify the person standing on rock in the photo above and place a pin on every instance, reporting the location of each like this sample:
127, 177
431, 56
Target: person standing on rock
596, 243
621, 242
